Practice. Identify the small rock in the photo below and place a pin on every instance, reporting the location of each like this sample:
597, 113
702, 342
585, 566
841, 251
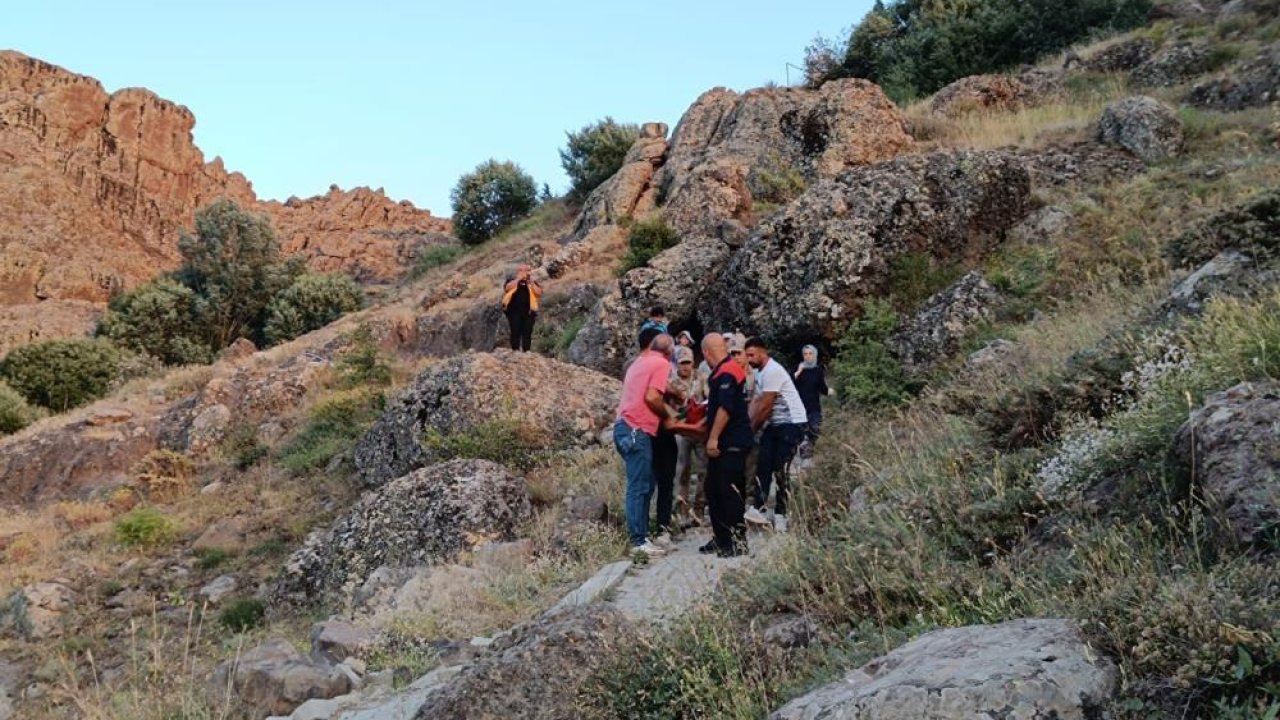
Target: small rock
108, 415
274, 679
789, 632
481, 642
225, 535
239, 350
213, 488
35, 612
131, 600
503, 555
339, 641
587, 507
217, 590
1144, 126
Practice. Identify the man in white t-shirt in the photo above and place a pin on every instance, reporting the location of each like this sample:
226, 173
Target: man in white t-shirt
777, 413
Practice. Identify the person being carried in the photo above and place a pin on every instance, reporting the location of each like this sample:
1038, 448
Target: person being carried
690, 393
778, 414
657, 320
811, 383
641, 411
520, 297
728, 429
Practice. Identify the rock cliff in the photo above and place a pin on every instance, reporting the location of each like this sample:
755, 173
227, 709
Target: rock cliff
98, 186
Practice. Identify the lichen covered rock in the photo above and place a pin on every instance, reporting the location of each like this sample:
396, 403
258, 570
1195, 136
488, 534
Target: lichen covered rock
936, 331
1144, 126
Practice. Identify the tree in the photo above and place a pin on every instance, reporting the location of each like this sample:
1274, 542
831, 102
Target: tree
311, 302
491, 198
233, 265
62, 374
159, 319
15, 413
595, 153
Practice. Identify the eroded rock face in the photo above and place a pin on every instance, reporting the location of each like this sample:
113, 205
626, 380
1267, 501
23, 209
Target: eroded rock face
97, 188
806, 271
1144, 126
422, 518
631, 191
46, 320
936, 331
1231, 447
1019, 669
1253, 84
538, 669
558, 405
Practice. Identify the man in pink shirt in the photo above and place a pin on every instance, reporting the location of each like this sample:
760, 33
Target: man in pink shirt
641, 411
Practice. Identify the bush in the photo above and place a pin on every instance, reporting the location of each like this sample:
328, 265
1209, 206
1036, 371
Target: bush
234, 267
595, 153
62, 374
915, 277
362, 363
333, 427
158, 319
242, 614
241, 446
491, 198
915, 47
145, 527
311, 302
506, 441
15, 413
776, 182
646, 240
434, 257
865, 373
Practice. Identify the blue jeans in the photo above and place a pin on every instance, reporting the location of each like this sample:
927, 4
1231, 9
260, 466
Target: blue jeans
636, 449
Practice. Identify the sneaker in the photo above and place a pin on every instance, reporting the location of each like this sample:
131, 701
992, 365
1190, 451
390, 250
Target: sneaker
780, 524
755, 517
709, 548
665, 542
648, 549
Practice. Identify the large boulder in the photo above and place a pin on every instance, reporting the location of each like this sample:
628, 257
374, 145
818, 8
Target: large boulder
1144, 126
1230, 447
425, 517
1122, 56
806, 271
987, 93
536, 672
631, 191
552, 404
274, 678
36, 611
1254, 84
936, 331
1173, 66
1020, 669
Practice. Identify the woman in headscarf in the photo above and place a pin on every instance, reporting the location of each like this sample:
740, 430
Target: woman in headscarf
811, 383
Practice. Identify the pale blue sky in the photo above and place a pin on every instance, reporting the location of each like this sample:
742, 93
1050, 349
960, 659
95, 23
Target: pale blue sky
408, 96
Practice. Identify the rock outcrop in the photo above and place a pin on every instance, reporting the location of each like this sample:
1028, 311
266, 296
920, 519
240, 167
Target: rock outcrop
1122, 56
630, 192
552, 404
274, 678
1144, 126
806, 271
979, 93
1173, 65
539, 669
422, 518
1019, 669
98, 187
1230, 448
35, 611
1254, 84
936, 331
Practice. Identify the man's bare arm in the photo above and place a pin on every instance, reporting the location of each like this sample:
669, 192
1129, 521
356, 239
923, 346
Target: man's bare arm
761, 409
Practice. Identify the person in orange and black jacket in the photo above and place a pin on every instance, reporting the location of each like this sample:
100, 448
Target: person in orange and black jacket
729, 438
520, 303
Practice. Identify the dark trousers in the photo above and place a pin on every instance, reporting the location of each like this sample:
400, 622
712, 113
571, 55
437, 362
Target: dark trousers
726, 497
665, 456
778, 444
813, 430
521, 325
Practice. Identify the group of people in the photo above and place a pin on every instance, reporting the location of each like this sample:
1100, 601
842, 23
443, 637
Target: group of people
697, 427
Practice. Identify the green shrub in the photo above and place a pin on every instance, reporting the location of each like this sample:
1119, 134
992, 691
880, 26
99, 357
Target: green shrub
1252, 227
145, 527
864, 372
776, 182
311, 302
490, 198
646, 240
334, 426
595, 153
15, 413
158, 319
362, 363
242, 614
505, 440
242, 447
915, 277
434, 257
210, 558
62, 374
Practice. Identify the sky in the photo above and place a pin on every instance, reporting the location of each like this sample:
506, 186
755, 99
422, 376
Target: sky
408, 96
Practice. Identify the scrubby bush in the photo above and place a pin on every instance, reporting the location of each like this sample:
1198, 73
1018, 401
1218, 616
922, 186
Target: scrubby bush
505, 440
434, 257
145, 527
595, 153
776, 182
15, 413
333, 427
646, 240
311, 302
915, 47
62, 374
363, 363
242, 614
158, 319
491, 198
234, 266
865, 373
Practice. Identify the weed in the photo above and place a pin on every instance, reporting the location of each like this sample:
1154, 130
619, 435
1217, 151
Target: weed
434, 257
241, 446
504, 440
210, 558
242, 614
334, 425
145, 527
362, 363
646, 240
865, 373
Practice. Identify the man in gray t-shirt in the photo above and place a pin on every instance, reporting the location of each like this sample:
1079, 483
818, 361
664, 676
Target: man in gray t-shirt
778, 414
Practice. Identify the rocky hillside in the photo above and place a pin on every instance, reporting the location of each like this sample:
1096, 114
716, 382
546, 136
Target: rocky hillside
97, 188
